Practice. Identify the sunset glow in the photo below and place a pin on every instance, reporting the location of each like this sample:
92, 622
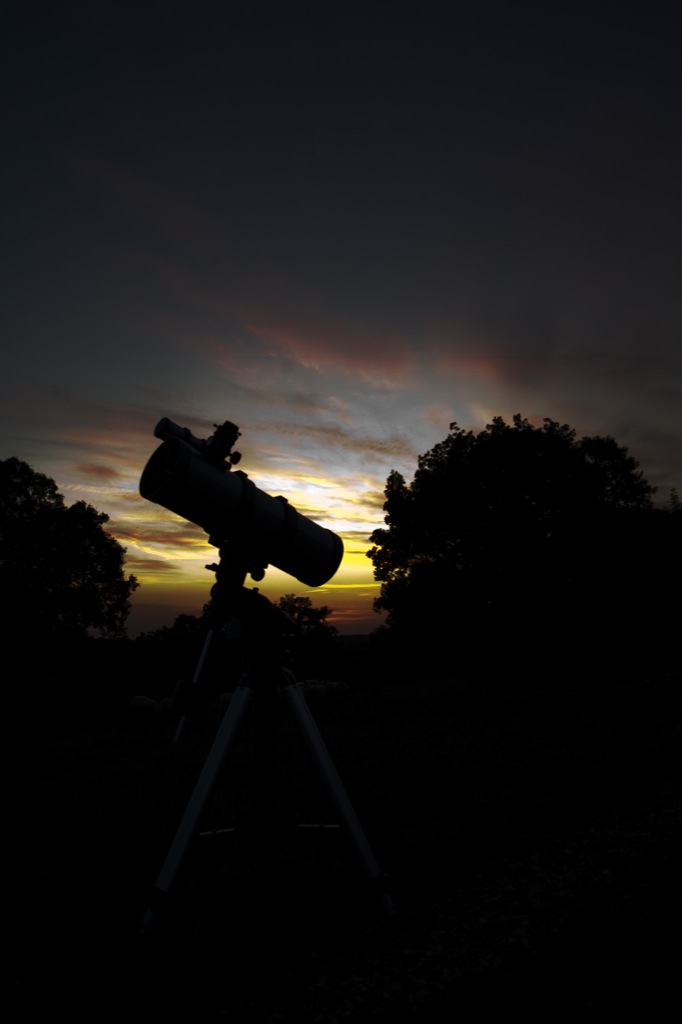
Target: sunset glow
428, 233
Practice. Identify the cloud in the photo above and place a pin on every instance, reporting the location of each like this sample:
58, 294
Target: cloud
92, 470
91, 424
178, 534
261, 322
328, 436
322, 343
152, 566
375, 500
259, 301
356, 545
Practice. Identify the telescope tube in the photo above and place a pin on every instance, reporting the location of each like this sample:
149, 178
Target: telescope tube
265, 530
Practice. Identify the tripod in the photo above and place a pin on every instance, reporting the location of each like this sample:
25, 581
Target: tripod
261, 623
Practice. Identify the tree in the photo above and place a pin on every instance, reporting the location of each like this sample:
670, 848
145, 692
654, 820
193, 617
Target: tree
518, 544
61, 573
312, 645
309, 621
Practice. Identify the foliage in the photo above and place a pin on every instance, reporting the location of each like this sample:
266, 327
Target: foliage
515, 544
185, 627
60, 572
312, 644
309, 621
674, 504
168, 654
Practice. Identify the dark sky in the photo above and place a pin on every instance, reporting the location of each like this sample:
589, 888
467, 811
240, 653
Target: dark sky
343, 226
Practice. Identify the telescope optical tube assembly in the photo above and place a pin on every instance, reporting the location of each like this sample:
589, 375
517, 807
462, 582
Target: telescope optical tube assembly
267, 530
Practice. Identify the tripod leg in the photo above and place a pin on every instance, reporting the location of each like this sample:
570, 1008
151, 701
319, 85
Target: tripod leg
195, 681
334, 786
188, 827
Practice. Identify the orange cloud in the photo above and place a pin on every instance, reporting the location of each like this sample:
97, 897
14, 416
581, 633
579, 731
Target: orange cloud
176, 534
151, 565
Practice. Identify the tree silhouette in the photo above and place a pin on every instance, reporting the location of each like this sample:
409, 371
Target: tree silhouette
312, 643
309, 620
522, 546
61, 574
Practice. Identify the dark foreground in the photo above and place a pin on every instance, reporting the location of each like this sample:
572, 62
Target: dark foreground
529, 839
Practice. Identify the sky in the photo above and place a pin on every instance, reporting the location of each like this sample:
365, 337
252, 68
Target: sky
342, 226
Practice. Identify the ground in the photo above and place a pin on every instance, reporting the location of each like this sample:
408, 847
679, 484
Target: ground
528, 839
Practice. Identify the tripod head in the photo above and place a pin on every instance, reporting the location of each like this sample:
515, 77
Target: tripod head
191, 477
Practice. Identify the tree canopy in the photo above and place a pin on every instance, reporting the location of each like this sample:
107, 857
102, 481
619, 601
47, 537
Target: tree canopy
309, 620
61, 573
312, 644
518, 543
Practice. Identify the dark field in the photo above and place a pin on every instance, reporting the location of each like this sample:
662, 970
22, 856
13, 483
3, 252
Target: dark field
530, 840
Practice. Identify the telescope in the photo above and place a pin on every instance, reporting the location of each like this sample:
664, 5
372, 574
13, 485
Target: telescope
195, 479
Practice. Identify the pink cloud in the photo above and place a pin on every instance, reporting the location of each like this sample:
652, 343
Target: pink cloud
311, 338
456, 350
101, 472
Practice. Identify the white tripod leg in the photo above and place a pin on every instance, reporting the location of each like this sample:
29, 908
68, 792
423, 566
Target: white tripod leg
334, 786
188, 828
